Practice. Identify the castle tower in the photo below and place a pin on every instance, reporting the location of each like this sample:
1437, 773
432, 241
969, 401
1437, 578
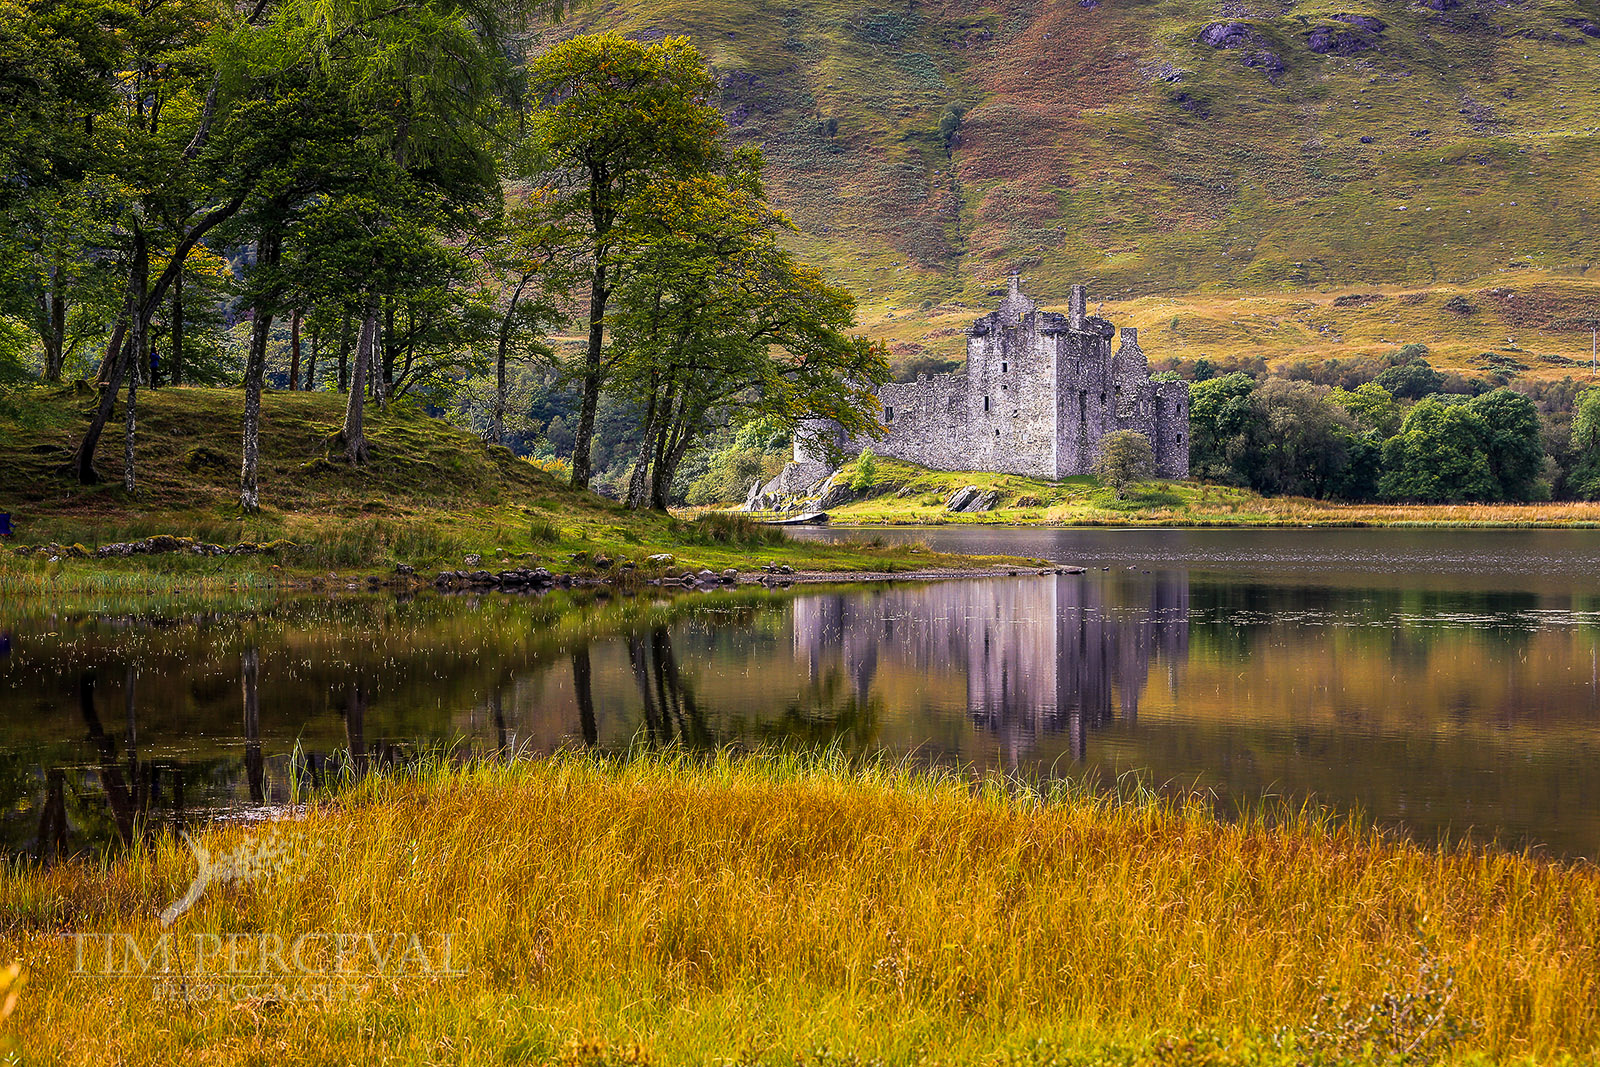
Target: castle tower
1078, 307
1130, 371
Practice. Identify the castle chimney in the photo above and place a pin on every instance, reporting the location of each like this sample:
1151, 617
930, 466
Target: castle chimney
1077, 306
1016, 285
1130, 336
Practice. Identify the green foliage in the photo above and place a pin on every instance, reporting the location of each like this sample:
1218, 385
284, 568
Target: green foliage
1222, 424
1414, 1022
950, 125
610, 115
1284, 437
730, 472
1414, 352
1513, 444
865, 475
1585, 476
1411, 380
1372, 406
1439, 455
1125, 458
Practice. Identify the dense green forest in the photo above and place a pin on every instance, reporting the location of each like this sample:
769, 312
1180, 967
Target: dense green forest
1393, 429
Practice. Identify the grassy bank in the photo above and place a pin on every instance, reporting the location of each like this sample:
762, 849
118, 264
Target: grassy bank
905, 494
431, 497
785, 910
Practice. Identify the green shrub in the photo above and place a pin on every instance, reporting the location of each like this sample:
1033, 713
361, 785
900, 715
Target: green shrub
866, 472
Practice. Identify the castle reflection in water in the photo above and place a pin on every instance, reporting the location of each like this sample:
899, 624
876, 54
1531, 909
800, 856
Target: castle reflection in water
1065, 654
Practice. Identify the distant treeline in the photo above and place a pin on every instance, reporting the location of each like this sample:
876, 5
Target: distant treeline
1391, 428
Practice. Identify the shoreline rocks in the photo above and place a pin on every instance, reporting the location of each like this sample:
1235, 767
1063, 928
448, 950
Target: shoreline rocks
158, 544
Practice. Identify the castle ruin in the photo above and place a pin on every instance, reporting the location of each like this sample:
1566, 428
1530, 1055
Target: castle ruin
1039, 391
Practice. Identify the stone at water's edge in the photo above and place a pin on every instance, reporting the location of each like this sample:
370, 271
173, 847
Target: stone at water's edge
959, 499
810, 518
835, 492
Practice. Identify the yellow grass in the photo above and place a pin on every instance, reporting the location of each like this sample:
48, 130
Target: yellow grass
780, 910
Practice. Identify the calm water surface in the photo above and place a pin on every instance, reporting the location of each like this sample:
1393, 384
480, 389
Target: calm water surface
1443, 682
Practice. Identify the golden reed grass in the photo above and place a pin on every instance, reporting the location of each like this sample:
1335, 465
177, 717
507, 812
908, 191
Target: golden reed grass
780, 909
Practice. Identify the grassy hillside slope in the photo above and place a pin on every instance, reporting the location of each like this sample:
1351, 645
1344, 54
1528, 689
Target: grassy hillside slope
431, 495
1105, 141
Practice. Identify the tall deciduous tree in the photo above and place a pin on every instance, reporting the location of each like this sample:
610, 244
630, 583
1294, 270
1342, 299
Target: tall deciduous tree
428, 76
719, 322
609, 116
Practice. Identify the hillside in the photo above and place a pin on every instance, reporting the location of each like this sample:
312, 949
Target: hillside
1166, 151
430, 496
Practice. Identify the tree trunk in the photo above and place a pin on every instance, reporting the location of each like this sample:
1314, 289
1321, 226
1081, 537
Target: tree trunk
497, 421
129, 426
386, 379
294, 351
83, 462
115, 363
311, 363
175, 357
250, 450
355, 440
593, 378
639, 480
147, 367
113, 352
55, 341
254, 369
344, 353
666, 467
375, 359
112, 365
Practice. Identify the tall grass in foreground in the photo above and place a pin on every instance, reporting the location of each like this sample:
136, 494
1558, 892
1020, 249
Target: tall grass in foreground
781, 910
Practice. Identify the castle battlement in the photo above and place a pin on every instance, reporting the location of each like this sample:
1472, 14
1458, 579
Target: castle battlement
1039, 391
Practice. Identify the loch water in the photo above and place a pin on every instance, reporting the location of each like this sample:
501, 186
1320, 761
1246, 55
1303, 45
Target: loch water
1441, 682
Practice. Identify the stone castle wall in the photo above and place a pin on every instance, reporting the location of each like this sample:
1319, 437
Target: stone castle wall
1039, 391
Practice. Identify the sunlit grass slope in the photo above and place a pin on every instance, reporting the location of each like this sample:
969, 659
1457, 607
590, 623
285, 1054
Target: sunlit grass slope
783, 911
431, 495
904, 493
1106, 143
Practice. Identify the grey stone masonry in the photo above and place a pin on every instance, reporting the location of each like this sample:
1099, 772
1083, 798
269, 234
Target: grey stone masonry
1039, 391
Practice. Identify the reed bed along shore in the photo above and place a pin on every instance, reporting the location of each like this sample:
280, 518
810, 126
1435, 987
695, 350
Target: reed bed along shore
781, 909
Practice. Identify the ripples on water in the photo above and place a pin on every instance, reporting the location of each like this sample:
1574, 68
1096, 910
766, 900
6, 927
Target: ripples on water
1440, 681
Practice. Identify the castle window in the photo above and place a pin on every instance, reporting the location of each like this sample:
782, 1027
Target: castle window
997, 433
986, 403
888, 414
1102, 398
1002, 366
1180, 438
